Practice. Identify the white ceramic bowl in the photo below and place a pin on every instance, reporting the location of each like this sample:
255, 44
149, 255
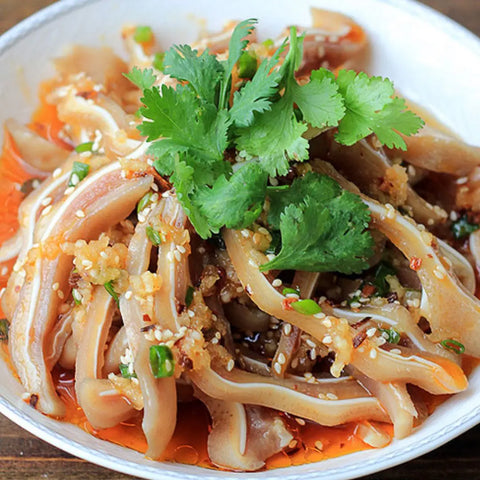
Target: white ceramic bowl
432, 60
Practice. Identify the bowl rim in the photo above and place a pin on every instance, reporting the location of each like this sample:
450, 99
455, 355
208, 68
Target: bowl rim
64, 7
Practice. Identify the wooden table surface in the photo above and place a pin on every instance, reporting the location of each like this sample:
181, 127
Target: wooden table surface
23, 456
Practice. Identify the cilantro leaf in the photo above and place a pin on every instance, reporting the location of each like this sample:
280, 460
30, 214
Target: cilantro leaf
370, 108
319, 100
256, 95
236, 46
275, 138
141, 78
235, 202
325, 231
202, 72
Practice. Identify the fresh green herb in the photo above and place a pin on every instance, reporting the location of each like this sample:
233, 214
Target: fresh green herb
189, 296
323, 227
380, 281
109, 288
453, 345
77, 296
154, 236
290, 291
247, 65
158, 59
4, 327
390, 335
125, 371
191, 128
143, 34
276, 243
462, 227
143, 79
79, 172
354, 301
161, 361
144, 201
84, 147
306, 306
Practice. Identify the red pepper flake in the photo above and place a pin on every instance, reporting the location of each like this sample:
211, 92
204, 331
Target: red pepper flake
33, 400
415, 263
368, 290
359, 338
146, 318
286, 302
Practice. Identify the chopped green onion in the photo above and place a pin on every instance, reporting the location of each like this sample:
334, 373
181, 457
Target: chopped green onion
79, 172
287, 291
247, 65
143, 34
77, 297
353, 301
158, 61
154, 236
462, 227
453, 345
144, 201
189, 296
109, 288
84, 147
269, 43
161, 361
380, 281
307, 307
390, 335
4, 326
125, 371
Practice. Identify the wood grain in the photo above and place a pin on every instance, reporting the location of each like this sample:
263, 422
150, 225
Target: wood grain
23, 456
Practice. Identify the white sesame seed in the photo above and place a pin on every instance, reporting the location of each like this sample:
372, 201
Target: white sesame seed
287, 329
390, 211
319, 445
177, 255
313, 354
310, 343
277, 282
230, 365
292, 444
128, 294
181, 248
56, 173
46, 210
371, 332
438, 272
300, 421
214, 340
319, 315
308, 375
69, 190
355, 305
26, 396
168, 365
191, 313
4, 271
462, 180
55, 286
201, 250
277, 367
245, 233
218, 335
396, 351
80, 214
373, 353
74, 179
60, 294
327, 323
292, 295
331, 396
281, 359
270, 257
327, 339
46, 201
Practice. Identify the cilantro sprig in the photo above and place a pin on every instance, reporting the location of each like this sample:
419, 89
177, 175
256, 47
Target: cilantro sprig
200, 133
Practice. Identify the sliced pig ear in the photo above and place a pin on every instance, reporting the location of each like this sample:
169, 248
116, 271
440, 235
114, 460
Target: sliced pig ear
159, 394
104, 198
252, 434
436, 151
436, 376
443, 297
313, 404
